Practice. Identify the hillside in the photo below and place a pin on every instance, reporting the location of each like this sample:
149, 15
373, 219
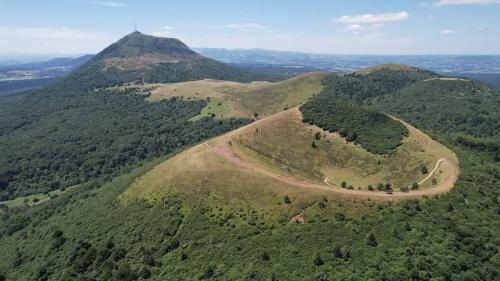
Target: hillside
446, 105
79, 129
144, 58
279, 148
172, 198
228, 99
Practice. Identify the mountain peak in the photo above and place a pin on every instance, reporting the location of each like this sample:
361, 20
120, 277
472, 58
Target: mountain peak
137, 45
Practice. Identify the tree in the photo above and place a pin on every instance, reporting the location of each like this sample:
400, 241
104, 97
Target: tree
434, 181
370, 187
343, 184
371, 240
317, 135
317, 260
321, 204
380, 186
3, 184
388, 186
320, 276
287, 200
424, 170
414, 186
255, 114
313, 144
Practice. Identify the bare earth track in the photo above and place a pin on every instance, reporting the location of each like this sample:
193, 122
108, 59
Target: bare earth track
221, 146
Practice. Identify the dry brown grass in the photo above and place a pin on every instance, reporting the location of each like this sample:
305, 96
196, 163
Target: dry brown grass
242, 99
279, 147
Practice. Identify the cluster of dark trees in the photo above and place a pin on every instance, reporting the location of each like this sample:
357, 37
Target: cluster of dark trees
338, 107
374, 131
359, 87
464, 107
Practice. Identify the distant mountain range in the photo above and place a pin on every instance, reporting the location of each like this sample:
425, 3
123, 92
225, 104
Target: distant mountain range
340, 63
485, 68
16, 78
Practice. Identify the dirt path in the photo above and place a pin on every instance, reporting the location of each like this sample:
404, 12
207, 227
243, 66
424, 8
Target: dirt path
221, 146
432, 172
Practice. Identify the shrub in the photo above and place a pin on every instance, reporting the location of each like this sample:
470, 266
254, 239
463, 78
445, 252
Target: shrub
317, 135
424, 170
317, 260
371, 240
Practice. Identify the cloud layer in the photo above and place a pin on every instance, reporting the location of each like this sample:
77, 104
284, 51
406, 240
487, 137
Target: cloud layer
466, 2
373, 18
106, 3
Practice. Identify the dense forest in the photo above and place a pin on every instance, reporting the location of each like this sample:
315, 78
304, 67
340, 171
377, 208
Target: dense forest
447, 106
51, 141
337, 108
85, 235
357, 87
374, 131
77, 129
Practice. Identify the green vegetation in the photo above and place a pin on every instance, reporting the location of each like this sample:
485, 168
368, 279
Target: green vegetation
54, 139
106, 241
374, 131
333, 109
250, 100
34, 199
215, 108
143, 58
202, 68
88, 234
358, 87
453, 106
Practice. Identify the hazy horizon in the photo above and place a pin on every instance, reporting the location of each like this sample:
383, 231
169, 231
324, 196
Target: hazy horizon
430, 27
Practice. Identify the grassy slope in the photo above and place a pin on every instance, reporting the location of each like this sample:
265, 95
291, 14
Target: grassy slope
333, 157
283, 143
244, 99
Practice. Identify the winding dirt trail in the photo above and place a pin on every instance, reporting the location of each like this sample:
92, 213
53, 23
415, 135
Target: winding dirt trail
432, 172
220, 147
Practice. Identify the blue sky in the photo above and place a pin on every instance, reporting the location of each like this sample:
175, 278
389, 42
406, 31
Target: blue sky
322, 26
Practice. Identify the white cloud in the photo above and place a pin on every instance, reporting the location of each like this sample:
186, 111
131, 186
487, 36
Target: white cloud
353, 27
245, 26
39, 40
358, 28
446, 32
373, 18
107, 3
166, 32
466, 2
47, 33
